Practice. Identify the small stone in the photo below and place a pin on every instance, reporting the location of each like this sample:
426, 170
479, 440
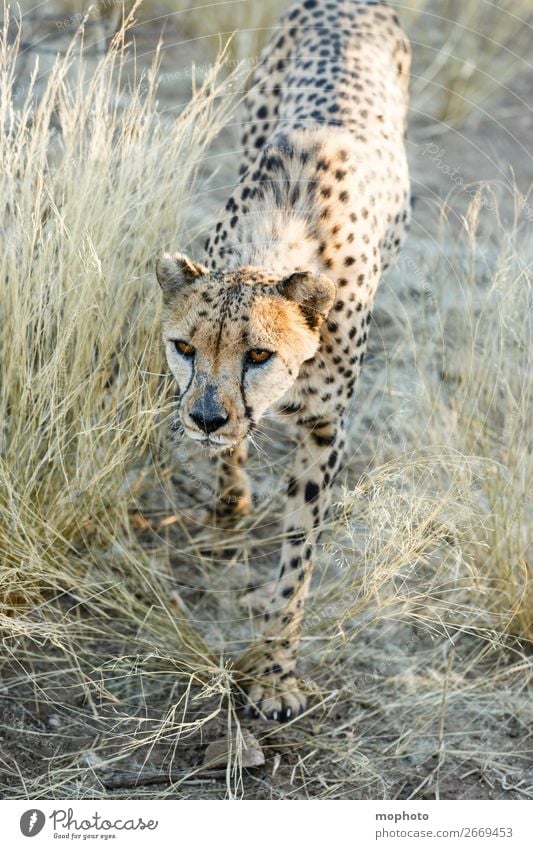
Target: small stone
221, 752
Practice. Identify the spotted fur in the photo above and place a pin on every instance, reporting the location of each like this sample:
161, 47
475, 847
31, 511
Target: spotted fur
291, 268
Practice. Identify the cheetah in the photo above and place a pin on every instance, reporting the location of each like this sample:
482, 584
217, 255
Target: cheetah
276, 316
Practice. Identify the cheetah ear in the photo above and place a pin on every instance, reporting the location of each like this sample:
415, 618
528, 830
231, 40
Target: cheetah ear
173, 270
314, 294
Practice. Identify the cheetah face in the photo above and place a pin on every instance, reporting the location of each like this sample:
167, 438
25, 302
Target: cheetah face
235, 342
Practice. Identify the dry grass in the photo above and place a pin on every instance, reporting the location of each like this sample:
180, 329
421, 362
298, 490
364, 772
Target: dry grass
209, 25
471, 53
417, 639
82, 391
247, 23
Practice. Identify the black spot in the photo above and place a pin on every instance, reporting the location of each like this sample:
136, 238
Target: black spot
292, 488
312, 491
296, 537
323, 440
287, 675
290, 409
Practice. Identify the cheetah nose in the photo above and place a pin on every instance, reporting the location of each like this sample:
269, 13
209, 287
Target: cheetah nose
208, 423
208, 413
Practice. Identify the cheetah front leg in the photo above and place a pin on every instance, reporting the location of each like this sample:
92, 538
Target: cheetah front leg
268, 668
233, 498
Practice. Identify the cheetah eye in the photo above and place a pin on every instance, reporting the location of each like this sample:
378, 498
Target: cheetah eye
184, 348
257, 356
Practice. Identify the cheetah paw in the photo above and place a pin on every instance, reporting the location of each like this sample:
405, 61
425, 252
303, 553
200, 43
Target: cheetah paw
275, 699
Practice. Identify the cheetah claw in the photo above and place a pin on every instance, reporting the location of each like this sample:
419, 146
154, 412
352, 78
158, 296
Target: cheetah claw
274, 700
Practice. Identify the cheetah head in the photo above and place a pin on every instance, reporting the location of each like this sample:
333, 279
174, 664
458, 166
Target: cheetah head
235, 341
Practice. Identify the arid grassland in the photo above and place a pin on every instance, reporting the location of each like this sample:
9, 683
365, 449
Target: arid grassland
120, 615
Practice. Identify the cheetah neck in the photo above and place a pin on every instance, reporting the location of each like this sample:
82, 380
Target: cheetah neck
276, 239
